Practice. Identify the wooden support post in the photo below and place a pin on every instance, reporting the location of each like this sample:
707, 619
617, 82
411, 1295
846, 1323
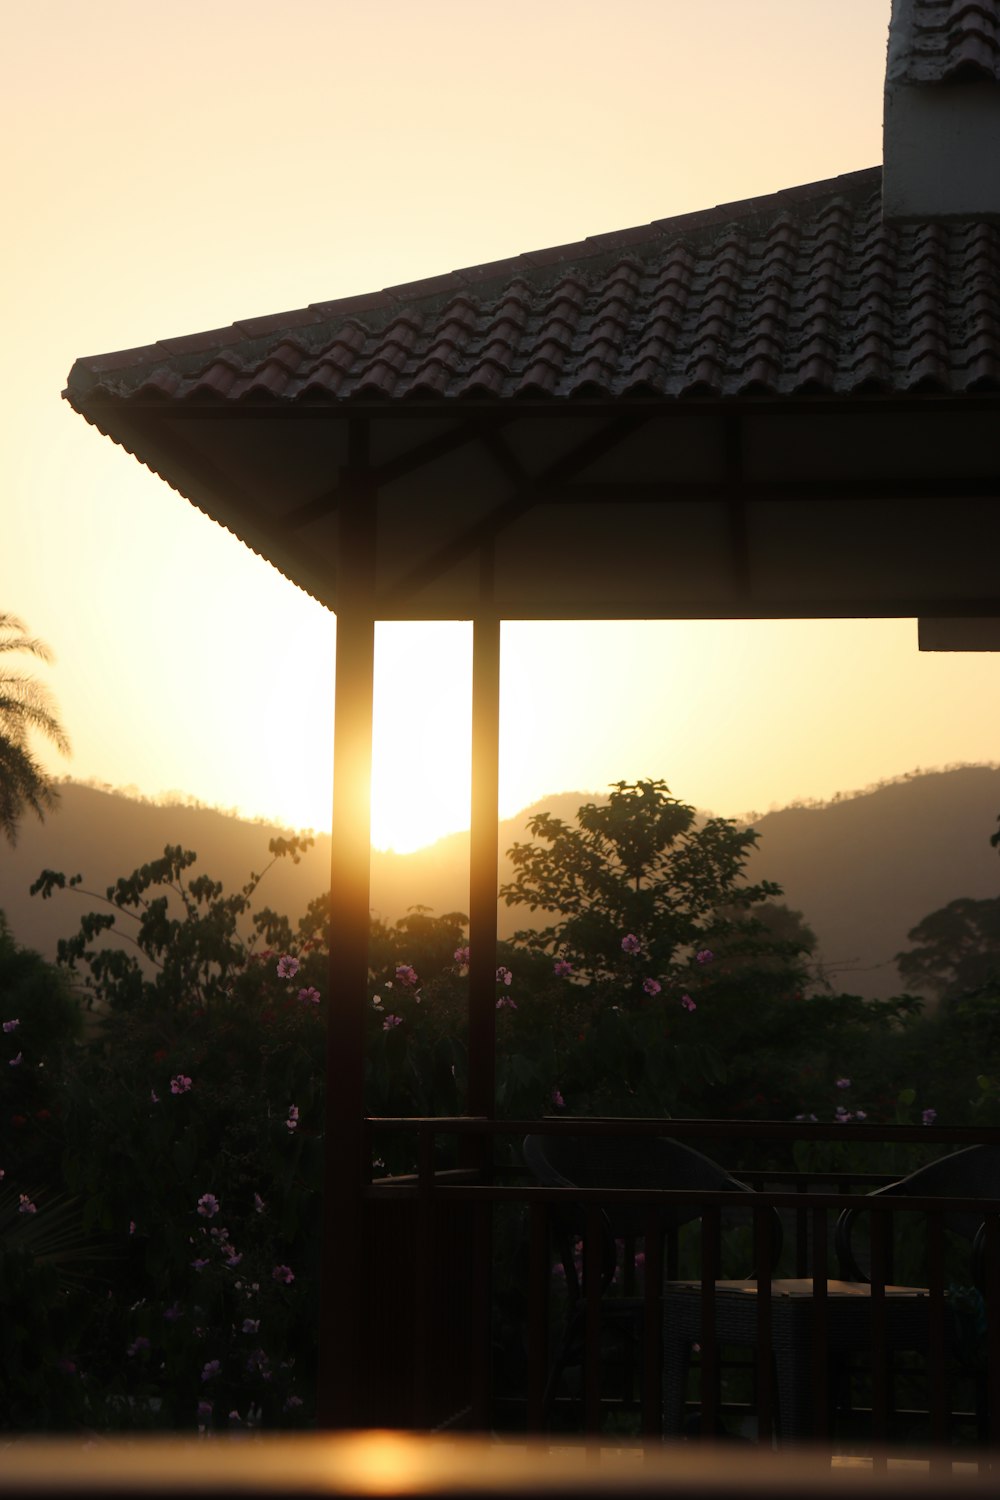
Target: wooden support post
483, 853
341, 1392
481, 1097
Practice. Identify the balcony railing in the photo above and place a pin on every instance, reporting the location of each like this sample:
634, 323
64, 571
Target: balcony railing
466, 1317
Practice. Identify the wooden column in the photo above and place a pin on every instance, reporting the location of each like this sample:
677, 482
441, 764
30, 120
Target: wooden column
341, 1333
483, 852
481, 1099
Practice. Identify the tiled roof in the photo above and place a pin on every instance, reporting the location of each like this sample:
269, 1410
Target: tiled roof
803, 291
941, 41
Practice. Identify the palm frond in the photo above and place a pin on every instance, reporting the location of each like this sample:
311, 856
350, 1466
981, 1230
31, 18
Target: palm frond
26, 704
14, 638
26, 707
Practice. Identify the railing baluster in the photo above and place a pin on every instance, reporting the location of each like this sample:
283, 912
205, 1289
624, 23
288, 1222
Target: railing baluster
652, 1326
762, 1236
672, 1254
593, 1248
820, 1372
880, 1229
423, 1270
711, 1230
482, 1315
937, 1343
991, 1297
539, 1275
802, 1235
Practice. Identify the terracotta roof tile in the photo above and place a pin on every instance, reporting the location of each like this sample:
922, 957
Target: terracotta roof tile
942, 41
806, 290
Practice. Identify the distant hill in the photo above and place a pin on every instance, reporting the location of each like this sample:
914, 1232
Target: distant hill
102, 834
863, 869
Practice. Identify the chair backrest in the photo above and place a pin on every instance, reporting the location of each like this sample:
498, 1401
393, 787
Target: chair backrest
971, 1173
595, 1161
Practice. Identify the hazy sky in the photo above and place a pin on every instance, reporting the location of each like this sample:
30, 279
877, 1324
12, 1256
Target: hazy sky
173, 169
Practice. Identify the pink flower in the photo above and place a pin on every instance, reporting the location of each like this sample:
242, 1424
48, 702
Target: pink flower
843, 1083
506, 1003
26, 1206
284, 1274
461, 955
11, 1025
651, 986
173, 1312
204, 1407
291, 1402
842, 1115
199, 1265
929, 1116
561, 968
251, 1325
258, 1204
688, 1003
154, 1097
558, 1100
181, 1084
208, 1205
233, 1258
704, 956
292, 1123
309, 996
504, 976
631, 944
406, 975
391, 1021
15, 1062
288, 966
860, 1114
212, 1368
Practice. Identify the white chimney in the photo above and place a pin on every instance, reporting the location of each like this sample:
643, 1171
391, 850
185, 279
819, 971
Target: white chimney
941, 121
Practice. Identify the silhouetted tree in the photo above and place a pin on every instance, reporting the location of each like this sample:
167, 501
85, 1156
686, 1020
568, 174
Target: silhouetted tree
958, 948
25, 705
639, 885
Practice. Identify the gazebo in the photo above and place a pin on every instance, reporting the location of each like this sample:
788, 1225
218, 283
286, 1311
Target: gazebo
783, 407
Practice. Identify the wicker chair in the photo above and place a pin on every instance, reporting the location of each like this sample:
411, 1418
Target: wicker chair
972, 1173
592, 1161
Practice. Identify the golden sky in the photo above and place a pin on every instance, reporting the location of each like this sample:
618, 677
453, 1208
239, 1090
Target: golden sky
234, 158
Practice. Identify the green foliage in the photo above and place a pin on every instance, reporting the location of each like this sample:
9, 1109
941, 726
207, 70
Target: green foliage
186, 946
198, 1080
958, 949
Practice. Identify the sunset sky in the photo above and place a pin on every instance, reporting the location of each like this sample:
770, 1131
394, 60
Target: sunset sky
175, 168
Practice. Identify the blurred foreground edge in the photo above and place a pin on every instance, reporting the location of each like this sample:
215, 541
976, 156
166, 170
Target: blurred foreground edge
396, 1464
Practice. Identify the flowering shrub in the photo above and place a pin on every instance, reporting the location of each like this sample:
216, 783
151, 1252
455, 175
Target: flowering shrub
160, 1182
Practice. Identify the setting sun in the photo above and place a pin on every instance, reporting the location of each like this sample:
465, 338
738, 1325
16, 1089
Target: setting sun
422, 733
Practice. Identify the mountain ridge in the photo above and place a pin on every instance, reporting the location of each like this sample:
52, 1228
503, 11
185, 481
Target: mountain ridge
863, 868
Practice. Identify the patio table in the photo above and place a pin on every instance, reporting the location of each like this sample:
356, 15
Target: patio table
794, 1313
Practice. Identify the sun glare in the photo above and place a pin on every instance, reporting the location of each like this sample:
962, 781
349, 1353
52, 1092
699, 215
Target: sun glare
422, 732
